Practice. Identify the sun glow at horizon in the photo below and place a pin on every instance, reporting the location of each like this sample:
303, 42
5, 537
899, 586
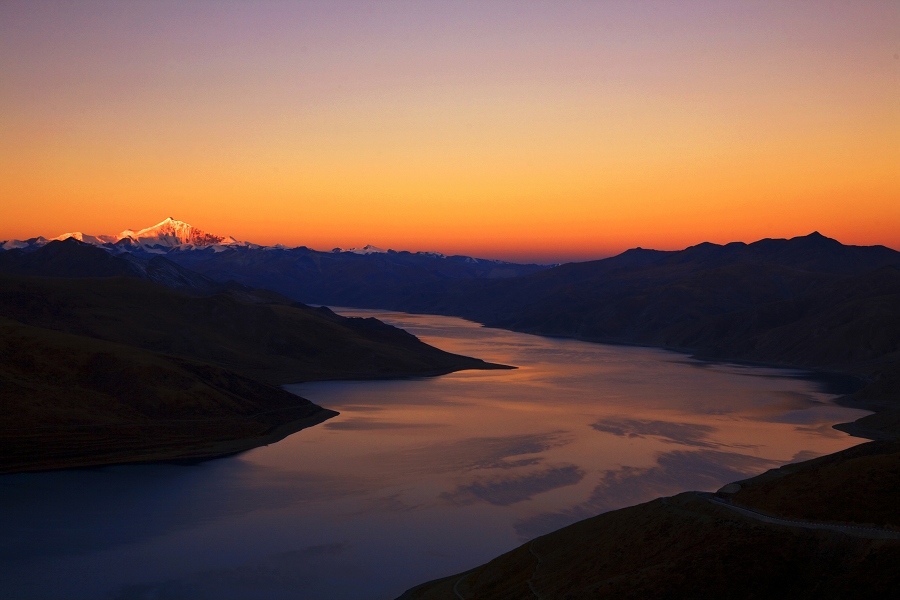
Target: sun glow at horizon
526, 131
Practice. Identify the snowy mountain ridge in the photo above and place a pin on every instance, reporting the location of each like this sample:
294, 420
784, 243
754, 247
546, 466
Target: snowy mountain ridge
166, 235
367, 249
173, 235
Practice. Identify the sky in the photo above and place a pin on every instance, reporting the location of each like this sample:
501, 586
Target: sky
545, 131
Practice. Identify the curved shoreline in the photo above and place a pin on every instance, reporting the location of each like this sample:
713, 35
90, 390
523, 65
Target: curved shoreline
845, 383
183, 447
180, 447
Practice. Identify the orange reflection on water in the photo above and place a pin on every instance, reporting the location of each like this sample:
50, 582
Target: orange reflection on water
576, 429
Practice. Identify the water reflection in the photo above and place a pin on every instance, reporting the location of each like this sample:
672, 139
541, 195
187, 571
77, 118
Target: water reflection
675, 433
415, 479
503, 491
674, 472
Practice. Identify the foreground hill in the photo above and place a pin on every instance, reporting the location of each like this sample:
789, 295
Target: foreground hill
71, 401
811, 533
105, 369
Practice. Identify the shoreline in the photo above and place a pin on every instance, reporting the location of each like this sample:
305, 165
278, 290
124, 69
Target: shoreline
845, 384
878, 431
192, 450
185, 449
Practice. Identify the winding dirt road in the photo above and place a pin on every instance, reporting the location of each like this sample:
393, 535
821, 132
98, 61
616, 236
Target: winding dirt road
874, 533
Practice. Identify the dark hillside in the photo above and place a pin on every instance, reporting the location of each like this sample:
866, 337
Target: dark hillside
345, 278
276, 341
72, 401
70, 258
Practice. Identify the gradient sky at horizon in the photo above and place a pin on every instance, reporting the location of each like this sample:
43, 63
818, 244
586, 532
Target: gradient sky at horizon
545, 131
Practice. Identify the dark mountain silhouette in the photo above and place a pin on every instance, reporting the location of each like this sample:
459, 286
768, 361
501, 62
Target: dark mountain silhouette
344, 278
640, 296
636, 296
71, 258
73, 400
265, 336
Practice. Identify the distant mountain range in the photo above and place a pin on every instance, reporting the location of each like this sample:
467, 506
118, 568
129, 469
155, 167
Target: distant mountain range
363, 276
174, 235
159, 238
72, 258
807, 301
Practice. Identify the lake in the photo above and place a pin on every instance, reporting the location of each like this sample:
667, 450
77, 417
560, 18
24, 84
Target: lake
416, 479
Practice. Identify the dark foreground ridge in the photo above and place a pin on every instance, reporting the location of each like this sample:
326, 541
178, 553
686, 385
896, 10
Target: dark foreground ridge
802, 531
120, 368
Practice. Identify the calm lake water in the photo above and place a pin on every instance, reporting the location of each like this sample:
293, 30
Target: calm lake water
416, 479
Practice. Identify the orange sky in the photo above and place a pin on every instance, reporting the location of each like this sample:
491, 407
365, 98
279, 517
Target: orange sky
528, 131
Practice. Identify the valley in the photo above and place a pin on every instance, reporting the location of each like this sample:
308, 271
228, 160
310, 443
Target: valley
194, 332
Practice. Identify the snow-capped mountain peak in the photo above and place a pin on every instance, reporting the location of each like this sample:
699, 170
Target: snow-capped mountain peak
367, 249
171, 233
89, 239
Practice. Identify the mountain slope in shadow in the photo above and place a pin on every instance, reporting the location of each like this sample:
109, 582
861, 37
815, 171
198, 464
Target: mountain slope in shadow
71, 401
373, 280
70, 258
